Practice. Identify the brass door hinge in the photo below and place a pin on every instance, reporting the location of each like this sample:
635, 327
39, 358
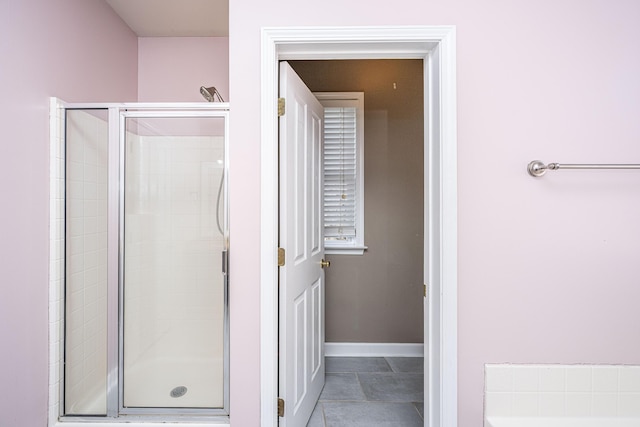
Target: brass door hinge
280, 407
281, 257
280, 107
425, 290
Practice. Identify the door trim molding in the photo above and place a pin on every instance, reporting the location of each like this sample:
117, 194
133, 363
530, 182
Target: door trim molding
436, 46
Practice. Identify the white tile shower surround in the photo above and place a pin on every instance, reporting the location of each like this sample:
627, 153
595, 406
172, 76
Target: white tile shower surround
86, 267
519, 395
561, 422
86, 236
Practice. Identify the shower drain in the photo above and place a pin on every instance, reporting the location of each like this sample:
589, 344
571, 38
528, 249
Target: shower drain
178, 391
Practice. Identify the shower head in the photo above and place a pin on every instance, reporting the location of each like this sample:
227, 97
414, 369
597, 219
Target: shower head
211, 94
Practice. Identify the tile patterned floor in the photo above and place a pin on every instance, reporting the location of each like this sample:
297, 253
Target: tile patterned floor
371, 392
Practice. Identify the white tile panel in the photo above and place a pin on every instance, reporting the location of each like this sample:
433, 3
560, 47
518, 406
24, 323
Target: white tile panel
579, 378
578, 404
629, 405
526, 378
604, 404
630, 379
498, 403
605, 378
553, 404
562, 391
552, 379
526, 404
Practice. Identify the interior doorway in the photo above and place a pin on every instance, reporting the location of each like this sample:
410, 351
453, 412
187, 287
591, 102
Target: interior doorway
436, 46
374, 298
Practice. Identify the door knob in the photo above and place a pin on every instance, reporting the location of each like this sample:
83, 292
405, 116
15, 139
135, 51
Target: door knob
325, 264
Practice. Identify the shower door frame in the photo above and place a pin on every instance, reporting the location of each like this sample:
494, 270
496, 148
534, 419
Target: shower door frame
164, 411
116, 412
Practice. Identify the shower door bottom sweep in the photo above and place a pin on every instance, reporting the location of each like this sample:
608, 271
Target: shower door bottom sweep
146, 243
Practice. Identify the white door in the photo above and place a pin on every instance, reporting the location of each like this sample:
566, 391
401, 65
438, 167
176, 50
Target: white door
301, 299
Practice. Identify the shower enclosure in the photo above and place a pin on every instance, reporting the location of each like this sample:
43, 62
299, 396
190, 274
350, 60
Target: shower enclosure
145, 261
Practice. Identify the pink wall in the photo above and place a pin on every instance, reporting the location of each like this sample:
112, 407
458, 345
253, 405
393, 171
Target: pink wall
548, 268
76, 50
174, 68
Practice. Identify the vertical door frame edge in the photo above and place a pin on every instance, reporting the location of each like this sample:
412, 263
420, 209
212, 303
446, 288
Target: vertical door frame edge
385, 42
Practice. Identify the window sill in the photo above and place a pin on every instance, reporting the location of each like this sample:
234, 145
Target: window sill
345, 250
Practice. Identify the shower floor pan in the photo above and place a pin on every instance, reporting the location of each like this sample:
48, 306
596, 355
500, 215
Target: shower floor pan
175, 383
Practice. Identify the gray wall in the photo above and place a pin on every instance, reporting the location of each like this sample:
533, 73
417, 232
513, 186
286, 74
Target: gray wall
377, 297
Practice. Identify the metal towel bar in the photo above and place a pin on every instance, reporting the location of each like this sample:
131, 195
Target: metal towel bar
538, 168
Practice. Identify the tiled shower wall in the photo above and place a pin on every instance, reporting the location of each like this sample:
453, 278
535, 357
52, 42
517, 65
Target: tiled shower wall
86, 334
86, 262
562, 391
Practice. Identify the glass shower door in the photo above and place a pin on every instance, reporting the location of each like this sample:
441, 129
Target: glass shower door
173, 237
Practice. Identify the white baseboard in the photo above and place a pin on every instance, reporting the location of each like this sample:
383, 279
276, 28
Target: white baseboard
368, 349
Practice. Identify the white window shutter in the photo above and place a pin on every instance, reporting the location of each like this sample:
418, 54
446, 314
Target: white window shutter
343, 156
340, 173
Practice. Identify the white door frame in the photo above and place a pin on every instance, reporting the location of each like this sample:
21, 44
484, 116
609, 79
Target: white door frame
436, 46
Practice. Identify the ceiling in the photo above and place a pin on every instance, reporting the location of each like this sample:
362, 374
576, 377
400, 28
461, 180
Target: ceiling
174, 18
